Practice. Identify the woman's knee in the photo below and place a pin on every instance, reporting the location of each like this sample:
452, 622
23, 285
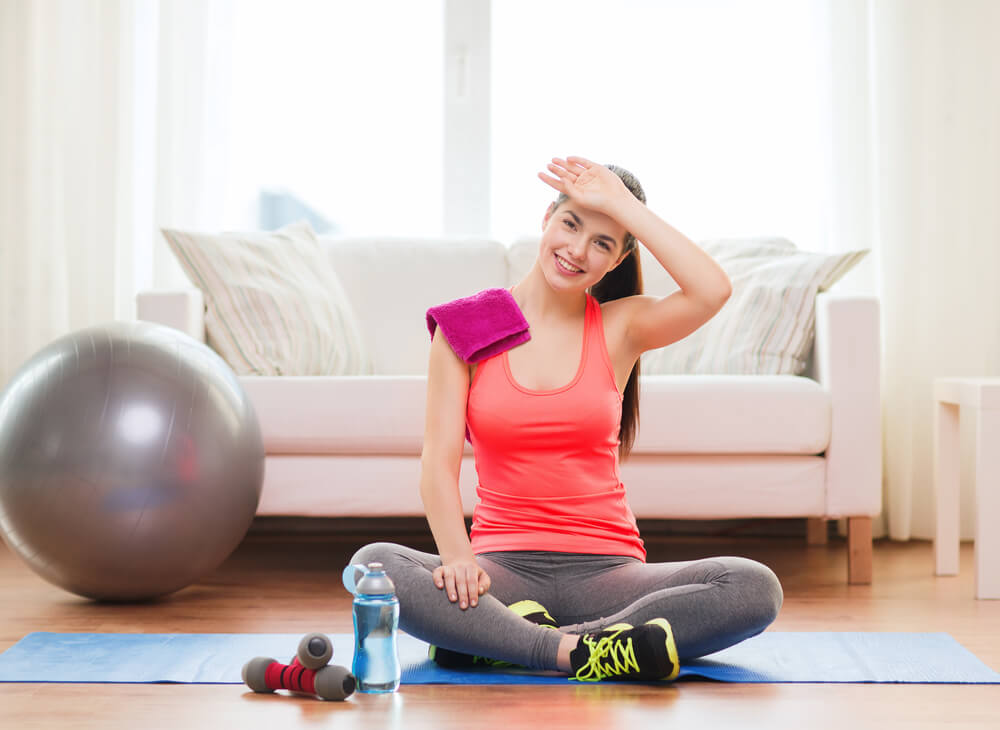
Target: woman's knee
386, 553
759, 589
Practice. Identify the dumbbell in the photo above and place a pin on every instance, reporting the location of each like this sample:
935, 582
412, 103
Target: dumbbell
308, 673
331, 682
315, 651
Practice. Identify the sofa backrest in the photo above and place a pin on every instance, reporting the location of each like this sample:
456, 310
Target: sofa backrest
391, 282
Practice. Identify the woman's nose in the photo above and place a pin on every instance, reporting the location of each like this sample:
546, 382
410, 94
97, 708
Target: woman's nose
576, 247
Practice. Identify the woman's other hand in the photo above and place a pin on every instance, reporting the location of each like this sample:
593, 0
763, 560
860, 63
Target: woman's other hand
587, 183
463, 581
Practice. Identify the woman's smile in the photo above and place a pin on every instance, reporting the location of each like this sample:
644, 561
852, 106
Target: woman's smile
566, 267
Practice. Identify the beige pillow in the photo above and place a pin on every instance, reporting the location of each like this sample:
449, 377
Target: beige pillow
768, 325
274, 304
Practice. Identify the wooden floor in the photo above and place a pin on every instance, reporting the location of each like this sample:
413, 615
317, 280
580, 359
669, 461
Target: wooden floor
278, 584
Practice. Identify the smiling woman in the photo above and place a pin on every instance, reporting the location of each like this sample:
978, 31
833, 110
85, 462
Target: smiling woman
554, 543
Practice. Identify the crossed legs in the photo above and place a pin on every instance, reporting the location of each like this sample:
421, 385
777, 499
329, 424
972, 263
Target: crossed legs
710, 604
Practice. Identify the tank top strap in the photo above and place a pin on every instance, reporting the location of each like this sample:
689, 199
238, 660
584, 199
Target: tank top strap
598, 357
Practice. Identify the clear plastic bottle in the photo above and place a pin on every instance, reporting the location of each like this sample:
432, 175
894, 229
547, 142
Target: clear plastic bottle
376, 619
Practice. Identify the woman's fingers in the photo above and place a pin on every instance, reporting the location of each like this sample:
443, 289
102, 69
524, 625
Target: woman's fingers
459, 584
563, 171
484, 582
568, 172
473, 588
574, 165
449, 585
444, 578
551, 181
462, 586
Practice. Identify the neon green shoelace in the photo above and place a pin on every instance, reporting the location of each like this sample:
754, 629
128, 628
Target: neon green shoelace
609, 657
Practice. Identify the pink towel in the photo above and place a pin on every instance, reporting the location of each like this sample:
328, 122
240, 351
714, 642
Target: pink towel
480, 326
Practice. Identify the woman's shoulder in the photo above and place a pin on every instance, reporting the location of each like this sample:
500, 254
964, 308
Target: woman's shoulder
614, 313
623, 309
616, 316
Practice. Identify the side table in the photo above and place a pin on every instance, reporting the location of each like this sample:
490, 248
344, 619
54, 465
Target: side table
980, 397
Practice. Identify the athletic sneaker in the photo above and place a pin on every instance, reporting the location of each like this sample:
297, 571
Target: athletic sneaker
622, 651
449, 659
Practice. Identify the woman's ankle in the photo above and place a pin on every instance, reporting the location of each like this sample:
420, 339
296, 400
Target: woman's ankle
566, 646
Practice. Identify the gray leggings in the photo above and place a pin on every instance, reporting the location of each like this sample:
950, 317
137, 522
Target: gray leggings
710, 604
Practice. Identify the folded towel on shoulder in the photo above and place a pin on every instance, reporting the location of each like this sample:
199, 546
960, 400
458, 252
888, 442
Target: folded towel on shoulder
480, 326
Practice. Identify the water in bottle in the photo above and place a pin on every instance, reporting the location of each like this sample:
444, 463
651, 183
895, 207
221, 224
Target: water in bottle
376, 618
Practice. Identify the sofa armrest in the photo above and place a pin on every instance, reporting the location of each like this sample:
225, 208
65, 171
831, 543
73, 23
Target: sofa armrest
847, 355
182, 309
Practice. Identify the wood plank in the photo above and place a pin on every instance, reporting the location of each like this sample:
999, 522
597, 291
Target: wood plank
859, 550
817, 531
947, 470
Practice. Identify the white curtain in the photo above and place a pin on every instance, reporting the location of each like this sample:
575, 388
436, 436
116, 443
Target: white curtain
937, 125
916, 144
64, 136
103, 138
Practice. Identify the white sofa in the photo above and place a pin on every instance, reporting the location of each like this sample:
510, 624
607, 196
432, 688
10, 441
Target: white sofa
708, 446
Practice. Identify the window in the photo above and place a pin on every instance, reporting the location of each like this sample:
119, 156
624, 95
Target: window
716, 105
336, 115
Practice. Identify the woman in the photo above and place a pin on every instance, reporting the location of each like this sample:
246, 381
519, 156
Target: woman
554, 576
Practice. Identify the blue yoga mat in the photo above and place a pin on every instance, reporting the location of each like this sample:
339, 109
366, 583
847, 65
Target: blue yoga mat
217, 659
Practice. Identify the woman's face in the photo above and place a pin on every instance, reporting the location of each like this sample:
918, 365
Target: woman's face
579, 246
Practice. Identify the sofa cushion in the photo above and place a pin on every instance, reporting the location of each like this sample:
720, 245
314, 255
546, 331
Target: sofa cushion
377, 414
273, 303
657, 487
768, 325
430, 271
732, 414
678, 414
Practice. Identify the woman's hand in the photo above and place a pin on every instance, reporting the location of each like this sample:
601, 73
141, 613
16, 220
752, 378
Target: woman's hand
587, 183
463, 580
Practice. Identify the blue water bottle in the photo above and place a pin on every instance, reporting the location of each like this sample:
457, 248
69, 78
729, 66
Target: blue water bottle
376, 618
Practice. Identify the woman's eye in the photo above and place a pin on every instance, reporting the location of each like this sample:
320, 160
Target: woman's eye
569, 223
603, 245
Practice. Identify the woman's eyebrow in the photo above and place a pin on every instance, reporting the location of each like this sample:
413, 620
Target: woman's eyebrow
602, 236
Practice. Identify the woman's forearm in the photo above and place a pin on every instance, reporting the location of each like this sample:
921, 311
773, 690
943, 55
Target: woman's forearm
443, 507
695, 272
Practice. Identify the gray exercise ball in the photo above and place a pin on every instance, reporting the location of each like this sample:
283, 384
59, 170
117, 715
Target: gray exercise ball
131, 461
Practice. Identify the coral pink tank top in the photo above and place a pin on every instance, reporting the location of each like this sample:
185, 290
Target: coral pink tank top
547, 460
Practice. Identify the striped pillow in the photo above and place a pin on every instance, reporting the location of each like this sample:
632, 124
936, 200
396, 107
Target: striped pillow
768, 324
274, 304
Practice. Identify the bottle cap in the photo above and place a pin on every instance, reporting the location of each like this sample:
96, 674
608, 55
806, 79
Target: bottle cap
375, 582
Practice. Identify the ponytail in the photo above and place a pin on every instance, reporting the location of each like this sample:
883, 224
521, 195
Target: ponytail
624, 280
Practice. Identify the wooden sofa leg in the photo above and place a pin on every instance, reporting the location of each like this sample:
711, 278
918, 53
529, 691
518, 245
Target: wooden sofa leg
816, 531
859, 550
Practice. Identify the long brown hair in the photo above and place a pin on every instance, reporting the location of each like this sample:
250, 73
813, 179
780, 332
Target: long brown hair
624, 280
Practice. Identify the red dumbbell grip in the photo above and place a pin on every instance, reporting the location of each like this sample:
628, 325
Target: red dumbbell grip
292, 677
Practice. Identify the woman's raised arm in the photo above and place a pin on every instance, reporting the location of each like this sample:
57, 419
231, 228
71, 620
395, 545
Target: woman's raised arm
704, 287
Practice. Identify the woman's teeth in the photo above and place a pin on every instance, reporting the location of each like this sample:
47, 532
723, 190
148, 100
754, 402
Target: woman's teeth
566, 266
